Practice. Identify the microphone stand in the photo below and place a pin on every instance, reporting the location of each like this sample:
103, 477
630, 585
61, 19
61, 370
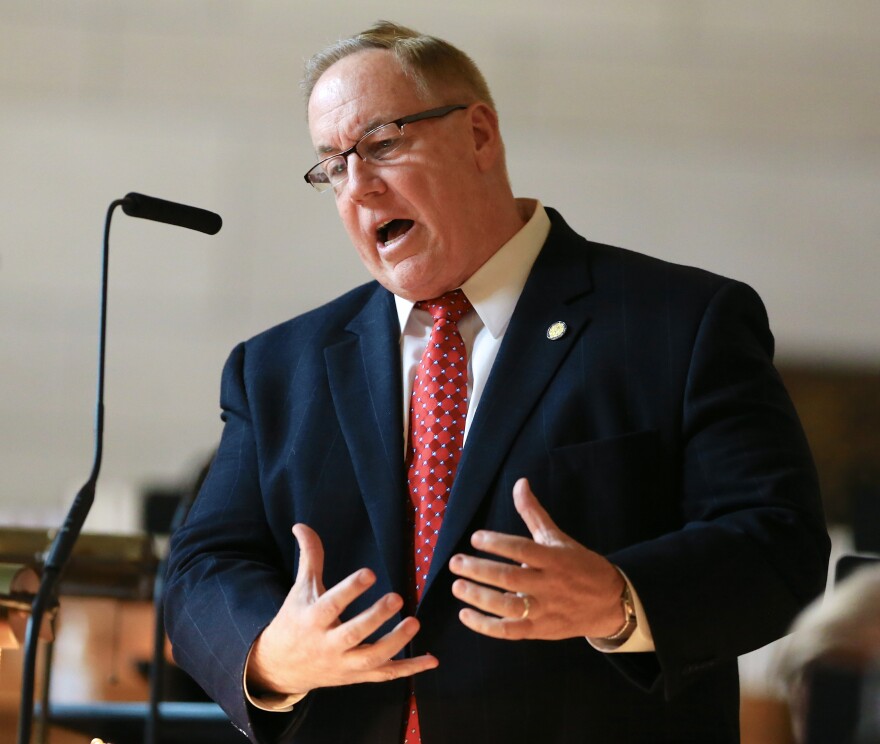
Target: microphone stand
62, 546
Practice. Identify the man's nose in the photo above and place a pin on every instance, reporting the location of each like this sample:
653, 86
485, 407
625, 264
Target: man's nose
363, 178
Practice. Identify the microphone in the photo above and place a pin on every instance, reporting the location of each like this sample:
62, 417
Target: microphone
171, 213
58, 555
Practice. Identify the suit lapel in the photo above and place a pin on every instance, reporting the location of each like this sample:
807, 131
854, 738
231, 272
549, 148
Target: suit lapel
526, 362
364, 376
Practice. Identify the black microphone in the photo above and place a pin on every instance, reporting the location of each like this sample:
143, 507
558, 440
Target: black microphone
171, 213
58, 555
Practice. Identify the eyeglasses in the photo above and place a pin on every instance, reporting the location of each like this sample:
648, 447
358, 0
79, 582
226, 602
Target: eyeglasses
380, 144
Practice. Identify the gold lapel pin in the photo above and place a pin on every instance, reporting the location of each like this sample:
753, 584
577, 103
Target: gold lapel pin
557, 330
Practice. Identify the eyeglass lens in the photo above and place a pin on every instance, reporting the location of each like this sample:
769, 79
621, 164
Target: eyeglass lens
376, 145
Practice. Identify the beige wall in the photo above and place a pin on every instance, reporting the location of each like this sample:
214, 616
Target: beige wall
743, 137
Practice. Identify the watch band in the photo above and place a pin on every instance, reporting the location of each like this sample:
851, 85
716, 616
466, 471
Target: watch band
630, 622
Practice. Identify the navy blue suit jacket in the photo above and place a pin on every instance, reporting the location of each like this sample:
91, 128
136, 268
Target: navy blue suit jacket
656, 431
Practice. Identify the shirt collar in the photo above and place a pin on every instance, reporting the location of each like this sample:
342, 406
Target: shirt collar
496, 286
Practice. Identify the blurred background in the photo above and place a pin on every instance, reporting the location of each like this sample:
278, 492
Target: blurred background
741, 137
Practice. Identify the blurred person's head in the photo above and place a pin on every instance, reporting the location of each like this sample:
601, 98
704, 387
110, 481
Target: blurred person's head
833, 642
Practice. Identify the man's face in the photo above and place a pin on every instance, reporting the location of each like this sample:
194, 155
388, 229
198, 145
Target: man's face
414, 221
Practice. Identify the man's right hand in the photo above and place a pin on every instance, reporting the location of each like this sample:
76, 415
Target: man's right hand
306, 646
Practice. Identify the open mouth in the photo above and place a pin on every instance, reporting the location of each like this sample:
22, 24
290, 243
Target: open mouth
392, 230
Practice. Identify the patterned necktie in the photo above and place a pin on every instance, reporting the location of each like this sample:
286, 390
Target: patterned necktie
436, 422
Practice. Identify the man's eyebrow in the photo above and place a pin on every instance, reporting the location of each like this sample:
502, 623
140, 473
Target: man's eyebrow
368, 127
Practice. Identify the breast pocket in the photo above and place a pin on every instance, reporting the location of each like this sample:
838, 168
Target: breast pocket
611, 493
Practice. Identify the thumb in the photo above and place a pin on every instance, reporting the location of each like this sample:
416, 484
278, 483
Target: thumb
310, 571
543, 528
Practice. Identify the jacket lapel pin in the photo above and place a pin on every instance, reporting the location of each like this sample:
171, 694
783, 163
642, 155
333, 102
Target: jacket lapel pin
557, 330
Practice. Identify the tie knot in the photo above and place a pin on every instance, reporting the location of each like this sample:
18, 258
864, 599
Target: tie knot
451, 306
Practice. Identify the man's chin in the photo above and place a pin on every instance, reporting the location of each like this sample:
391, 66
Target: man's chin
413, 292
411, 279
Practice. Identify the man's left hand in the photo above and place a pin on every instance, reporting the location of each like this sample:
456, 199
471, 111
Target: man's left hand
559, 589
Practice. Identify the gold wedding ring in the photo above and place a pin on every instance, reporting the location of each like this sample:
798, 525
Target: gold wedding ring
528, 605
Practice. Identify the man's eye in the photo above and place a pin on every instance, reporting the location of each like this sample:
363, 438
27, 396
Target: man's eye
381, 148
335, 168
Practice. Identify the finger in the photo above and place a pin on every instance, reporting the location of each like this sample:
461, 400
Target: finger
503, 628
311, 557
330, 605
522, 550
502, 604
542, 527
374, 655
511, 578
354, 632
398, 668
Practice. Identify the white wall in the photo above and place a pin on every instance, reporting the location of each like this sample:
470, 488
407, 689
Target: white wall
743, 137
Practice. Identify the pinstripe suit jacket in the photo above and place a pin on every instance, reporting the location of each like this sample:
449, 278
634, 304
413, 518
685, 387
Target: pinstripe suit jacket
656, 431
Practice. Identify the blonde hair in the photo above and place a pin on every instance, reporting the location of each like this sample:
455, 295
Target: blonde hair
432, 64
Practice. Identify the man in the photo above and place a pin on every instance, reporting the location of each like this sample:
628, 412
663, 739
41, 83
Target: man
634, 505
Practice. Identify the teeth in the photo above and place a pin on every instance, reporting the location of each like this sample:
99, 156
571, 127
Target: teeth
382, 231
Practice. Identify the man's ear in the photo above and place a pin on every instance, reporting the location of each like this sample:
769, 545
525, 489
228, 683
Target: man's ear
488, 147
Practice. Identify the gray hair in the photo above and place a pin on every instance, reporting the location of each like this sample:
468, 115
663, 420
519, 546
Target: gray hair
845, 625
433, 65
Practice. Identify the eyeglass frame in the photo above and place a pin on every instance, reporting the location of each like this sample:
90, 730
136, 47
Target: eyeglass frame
434, 113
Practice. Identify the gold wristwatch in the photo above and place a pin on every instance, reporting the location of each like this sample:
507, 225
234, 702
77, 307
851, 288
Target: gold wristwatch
629, 611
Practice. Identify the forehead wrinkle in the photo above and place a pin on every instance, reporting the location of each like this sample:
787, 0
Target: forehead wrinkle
374, 123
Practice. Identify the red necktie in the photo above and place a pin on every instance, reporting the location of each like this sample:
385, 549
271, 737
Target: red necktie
436, 422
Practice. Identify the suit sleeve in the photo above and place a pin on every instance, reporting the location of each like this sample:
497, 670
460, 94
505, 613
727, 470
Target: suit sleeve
225, 580
753, 549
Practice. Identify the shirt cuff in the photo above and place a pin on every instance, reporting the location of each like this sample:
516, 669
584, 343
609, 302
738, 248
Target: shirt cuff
273, 702
641, 638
